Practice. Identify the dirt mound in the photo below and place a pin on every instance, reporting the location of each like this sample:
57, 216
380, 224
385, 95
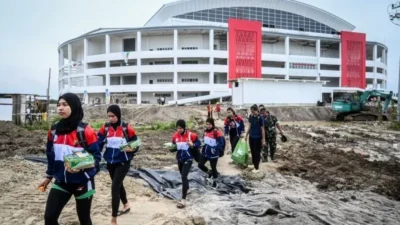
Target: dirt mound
15, 140
144, 114
341, 158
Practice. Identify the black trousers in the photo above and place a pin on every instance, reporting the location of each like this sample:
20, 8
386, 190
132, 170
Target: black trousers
59, 197
234, 139
213, 163
184, 169
209, 115
255, 148
117, 173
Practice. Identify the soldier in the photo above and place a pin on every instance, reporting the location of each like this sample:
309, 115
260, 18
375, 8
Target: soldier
270, 125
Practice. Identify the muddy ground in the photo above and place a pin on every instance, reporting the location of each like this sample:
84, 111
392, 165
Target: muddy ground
327, 173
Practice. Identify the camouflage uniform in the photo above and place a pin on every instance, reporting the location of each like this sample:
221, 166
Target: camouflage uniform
270, 136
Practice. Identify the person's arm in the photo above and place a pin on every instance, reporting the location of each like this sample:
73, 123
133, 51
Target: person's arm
196, 143
50, 157
220, 141
226, 127
132, 137
278, 125
101, 136
93, 146
241, 128
261, 121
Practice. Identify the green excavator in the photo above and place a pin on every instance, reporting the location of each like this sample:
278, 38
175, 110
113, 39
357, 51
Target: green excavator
352, 106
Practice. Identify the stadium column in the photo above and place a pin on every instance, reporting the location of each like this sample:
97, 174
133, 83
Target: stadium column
107, 61
85, 53
175, 65
318, 58
375, 56
211, 47
287, 49
341, 66
139, 64
69, 65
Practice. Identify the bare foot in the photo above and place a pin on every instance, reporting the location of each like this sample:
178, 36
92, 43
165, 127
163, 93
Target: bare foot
114, 221
126, 206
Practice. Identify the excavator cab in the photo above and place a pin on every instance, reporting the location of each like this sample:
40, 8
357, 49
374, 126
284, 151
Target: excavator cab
352, 106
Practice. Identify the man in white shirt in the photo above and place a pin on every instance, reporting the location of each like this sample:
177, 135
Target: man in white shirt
28, 115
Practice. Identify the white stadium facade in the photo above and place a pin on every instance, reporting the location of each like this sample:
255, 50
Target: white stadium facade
182, 52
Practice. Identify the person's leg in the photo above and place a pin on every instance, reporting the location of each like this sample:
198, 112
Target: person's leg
234, 139
83, 196
252, 149
119, 175
213, 163
257, 145
202, 162
272, 144
265, 149
185, 181
56, 201
83, 208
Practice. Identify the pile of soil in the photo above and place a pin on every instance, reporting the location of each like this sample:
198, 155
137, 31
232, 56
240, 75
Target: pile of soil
15, 140
343, 158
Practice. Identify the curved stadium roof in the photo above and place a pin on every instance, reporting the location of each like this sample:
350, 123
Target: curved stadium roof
179, 8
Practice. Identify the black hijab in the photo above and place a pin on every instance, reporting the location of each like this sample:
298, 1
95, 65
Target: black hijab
66, 126
117, 112
182, 124
211, 121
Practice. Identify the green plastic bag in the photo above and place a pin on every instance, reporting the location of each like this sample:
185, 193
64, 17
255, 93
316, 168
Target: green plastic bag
170, 146
80, 160
133, 145
241, 153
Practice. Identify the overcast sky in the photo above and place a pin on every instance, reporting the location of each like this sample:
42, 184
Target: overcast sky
31, 32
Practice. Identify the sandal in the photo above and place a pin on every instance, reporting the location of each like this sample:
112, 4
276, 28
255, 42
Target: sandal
122, 212
180, 205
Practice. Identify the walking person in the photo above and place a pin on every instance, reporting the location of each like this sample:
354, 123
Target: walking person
209, 110
218, 109
256, 134
270, 125
28, 115
213, 145
114, 134
234, 127
67, 136
184, 141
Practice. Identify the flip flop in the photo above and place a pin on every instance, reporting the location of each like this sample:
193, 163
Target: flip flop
180, 205
122, 212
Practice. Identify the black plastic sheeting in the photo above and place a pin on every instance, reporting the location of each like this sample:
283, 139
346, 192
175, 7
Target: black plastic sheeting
169, 183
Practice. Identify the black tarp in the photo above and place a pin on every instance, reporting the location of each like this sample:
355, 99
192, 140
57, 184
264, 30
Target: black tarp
168, 183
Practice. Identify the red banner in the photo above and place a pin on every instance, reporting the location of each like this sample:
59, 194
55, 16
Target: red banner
353, 59
244, 49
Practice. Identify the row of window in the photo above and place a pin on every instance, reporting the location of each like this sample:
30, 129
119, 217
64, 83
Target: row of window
269, 17
163, 95
165, 80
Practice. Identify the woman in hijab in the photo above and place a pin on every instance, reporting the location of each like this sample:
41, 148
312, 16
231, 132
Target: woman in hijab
114, 134
64, 140
213, 145
185, 141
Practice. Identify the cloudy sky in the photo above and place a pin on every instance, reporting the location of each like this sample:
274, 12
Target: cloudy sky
32, 30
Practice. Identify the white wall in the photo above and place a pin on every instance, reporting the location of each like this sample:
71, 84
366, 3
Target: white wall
154, 42
296, 49
220, 78
97, 47
96, 80
277, 48
77, 54
146, 77
92, 96
148, 96
259, 92
196, 40
202, 77
116, 44
77, 82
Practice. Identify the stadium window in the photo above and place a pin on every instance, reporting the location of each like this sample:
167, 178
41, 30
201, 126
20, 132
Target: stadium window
129, 45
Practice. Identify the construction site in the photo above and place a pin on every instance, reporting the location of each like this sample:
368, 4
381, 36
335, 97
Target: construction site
327, 173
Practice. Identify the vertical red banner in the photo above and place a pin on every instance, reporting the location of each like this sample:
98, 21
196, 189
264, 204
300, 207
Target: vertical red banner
353, 59
244, 49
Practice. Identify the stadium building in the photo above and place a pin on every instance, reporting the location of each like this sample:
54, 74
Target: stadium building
182, 52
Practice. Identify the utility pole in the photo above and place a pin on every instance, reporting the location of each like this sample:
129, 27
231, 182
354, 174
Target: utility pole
398, 95
48, 94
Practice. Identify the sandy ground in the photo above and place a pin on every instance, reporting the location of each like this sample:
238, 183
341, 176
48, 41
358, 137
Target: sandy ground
345, 173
